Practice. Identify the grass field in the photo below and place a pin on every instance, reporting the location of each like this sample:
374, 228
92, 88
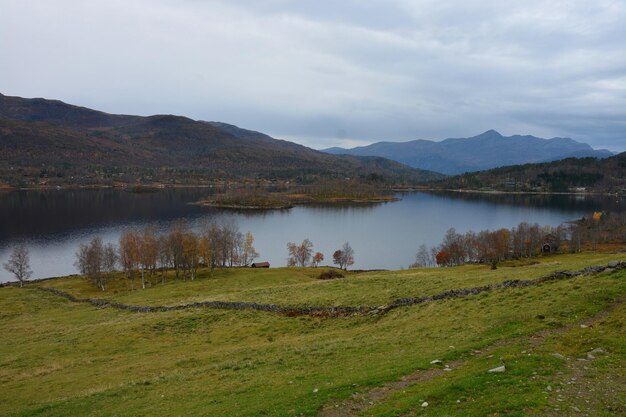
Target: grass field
59, 358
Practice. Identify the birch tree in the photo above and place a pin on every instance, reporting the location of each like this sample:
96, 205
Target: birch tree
19, 264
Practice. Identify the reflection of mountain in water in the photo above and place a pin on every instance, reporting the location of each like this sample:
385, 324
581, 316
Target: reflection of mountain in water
563, 202
50, 212
57, 212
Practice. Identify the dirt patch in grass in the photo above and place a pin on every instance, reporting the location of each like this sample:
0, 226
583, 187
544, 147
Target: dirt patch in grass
580, 389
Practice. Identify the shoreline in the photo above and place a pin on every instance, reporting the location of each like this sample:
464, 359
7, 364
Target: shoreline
459, 190
297, 202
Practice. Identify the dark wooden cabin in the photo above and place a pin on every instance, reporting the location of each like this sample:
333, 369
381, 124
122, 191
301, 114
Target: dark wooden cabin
550, 244
260, 265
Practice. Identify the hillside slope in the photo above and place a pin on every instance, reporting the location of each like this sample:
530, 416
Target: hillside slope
61, 358
487, 150
568, 175
56, 143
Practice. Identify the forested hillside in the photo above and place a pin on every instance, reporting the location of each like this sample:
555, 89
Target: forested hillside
568, 175
48, 142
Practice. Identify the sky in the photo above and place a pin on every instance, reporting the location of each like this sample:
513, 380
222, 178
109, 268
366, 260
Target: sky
332, 73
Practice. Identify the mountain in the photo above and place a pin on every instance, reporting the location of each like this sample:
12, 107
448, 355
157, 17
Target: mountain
485, 151
592, 175
49, 141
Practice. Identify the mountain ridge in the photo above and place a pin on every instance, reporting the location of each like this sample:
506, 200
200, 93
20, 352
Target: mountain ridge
569, 175
487, 150
52, 142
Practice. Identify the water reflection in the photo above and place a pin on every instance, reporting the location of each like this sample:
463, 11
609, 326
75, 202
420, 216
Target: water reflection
54, 223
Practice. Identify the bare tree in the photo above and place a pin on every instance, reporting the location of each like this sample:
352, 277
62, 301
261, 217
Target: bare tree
19, 264
299, 255
148, 252
191, 256
207, 245
454, 246
90, 261
423, 258
129, 253
236, 249
344, 257
228, 239
175, 239
165, 256
109, 259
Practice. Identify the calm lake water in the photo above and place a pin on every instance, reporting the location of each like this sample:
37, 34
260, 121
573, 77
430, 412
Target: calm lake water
53, 223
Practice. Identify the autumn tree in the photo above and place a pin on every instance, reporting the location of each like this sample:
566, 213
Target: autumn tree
344, 257
248, 253
19, 264
205, 249
191, 255
129, 253
442, 258
317, 258
455, 246
299, 255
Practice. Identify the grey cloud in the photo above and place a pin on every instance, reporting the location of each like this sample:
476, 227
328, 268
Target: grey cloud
332, 73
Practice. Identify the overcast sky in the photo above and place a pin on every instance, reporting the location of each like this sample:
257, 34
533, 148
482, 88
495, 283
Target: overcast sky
326, 73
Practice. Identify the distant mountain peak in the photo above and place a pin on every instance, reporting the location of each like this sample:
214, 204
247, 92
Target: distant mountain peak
487, 150
491, 133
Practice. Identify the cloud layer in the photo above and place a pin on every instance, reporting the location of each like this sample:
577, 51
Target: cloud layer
332, 73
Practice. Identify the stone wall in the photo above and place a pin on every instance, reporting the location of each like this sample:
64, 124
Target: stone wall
343, 311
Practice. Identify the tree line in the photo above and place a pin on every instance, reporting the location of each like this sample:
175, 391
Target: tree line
302, 255
148, 254
523, 241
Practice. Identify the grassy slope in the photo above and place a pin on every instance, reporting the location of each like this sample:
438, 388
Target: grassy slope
59, 358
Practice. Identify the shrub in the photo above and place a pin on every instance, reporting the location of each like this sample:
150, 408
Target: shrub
330, 274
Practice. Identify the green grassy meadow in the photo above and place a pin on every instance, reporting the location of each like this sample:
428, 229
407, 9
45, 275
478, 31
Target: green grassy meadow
59, 358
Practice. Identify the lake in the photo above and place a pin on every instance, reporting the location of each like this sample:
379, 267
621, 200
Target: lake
53, 223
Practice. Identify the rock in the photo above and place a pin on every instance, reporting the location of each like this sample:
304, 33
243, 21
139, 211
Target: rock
590, 356
315, 391
583, 326
425, 404
436, 362
559, 356
498, 369
549, 388
614, 264
598, 350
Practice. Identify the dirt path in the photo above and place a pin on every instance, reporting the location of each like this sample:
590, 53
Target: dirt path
362, 401
581, 389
